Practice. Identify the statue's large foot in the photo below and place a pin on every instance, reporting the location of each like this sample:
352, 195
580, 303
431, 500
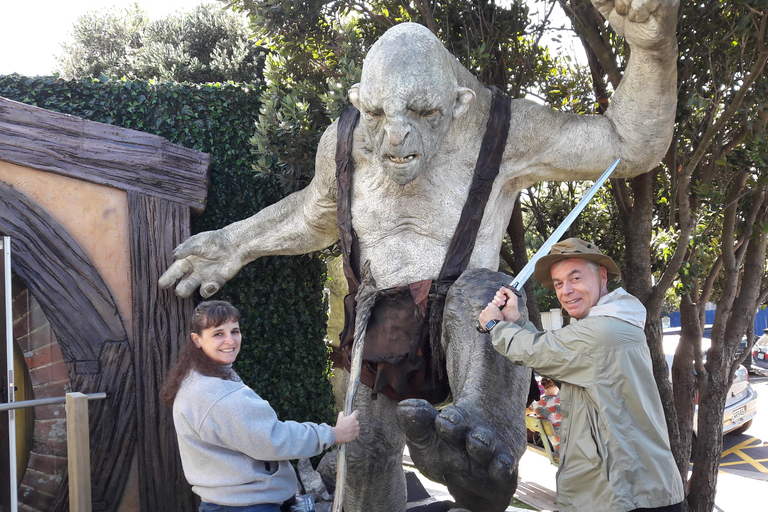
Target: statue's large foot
458, 448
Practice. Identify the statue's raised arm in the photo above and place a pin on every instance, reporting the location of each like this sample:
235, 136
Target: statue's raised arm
643, 108
639, 122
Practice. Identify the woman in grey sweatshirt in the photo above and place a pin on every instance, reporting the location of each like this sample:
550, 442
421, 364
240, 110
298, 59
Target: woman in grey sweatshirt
234, 449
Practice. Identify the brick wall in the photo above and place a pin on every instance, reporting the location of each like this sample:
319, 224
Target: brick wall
48, 372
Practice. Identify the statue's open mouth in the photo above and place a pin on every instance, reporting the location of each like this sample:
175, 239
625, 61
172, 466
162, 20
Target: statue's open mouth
398, 160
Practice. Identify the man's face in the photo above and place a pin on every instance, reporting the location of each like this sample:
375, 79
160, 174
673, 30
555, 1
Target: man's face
577, 285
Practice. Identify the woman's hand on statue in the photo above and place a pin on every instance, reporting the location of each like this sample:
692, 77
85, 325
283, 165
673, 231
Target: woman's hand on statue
347, 428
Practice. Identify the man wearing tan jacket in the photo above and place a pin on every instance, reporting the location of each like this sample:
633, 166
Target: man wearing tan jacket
615, 454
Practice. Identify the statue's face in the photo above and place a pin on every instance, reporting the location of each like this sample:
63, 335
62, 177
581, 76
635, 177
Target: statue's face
408, 98
407, 127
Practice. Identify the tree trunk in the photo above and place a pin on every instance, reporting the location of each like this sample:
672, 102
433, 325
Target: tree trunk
709, 444
516, 232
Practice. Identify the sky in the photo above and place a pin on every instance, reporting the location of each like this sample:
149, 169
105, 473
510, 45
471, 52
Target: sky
31, 34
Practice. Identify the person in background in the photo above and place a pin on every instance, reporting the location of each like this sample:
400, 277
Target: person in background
234, 450
548, 408
615, 454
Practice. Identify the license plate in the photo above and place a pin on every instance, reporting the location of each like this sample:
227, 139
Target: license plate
739, 413
760, 355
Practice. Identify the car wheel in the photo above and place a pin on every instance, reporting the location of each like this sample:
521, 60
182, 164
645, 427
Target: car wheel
741, 429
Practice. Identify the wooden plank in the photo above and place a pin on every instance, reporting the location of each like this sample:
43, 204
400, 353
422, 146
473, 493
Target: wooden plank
159, 328
536, 495
102, 153
78, 452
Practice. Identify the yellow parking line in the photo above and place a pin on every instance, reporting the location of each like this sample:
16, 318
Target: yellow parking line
746, 459
738, 447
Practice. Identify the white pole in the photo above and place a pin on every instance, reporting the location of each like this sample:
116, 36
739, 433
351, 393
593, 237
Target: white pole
9, 358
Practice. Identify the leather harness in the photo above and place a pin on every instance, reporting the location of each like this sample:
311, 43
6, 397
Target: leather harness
402, 356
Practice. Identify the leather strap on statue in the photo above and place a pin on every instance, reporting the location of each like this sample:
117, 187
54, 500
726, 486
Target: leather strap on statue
350, 249
403, 332
463, 242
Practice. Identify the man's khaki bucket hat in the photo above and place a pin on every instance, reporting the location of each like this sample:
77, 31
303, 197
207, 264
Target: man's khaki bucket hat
572, 248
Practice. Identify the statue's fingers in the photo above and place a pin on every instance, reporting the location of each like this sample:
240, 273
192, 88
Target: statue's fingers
189, 247
209, 288
641, 11
174, 273
188, 286
228, 271
604, 6
622, 7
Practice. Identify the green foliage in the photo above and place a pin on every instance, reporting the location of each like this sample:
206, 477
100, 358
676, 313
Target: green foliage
284, 357
207, 44
317, 50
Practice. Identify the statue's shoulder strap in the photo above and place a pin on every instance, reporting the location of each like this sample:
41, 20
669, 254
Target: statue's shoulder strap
350, 250
486, 170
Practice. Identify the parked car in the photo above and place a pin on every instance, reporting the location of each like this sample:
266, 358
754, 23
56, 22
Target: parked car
741, 404
760, 353
740, 350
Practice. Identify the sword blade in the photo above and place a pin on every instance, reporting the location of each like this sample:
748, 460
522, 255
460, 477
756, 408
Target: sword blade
522, 277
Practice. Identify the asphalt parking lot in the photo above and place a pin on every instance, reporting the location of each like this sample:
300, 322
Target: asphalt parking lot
746, 454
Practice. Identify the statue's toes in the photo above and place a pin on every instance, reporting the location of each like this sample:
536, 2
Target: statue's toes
416, 418
503, 469
481, 446
453, 425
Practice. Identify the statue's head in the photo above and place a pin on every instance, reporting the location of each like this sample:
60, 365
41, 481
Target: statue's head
408, 97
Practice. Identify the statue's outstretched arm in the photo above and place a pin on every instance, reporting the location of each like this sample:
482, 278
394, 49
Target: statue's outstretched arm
304, 221
639, 123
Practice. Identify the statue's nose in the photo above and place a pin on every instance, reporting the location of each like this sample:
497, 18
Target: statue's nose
397, 131
398, 127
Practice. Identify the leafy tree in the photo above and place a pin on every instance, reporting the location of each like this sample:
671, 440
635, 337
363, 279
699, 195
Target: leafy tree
704, 212
206, 44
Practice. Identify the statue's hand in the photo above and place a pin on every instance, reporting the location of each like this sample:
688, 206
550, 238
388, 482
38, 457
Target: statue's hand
646, 24
207, 260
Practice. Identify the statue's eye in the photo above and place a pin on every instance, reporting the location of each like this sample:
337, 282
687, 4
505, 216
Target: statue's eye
431, 113
372, 114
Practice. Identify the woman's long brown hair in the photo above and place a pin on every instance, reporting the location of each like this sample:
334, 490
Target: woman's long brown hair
207, 314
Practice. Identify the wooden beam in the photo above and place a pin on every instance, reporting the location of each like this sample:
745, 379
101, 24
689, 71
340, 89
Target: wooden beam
159, 327
102, 153
78, 452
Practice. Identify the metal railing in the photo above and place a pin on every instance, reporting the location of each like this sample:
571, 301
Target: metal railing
48, 401
78, 442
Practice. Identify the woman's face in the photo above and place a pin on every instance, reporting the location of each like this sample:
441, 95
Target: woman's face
221, 343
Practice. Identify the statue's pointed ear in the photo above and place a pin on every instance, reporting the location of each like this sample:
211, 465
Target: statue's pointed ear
464, 98
354, 95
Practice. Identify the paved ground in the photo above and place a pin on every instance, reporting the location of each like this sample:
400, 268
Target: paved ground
742, 483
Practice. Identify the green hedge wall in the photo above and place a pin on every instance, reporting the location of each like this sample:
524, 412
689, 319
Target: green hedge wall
283, 357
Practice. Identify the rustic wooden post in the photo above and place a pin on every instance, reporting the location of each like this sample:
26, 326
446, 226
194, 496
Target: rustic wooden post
78, 452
